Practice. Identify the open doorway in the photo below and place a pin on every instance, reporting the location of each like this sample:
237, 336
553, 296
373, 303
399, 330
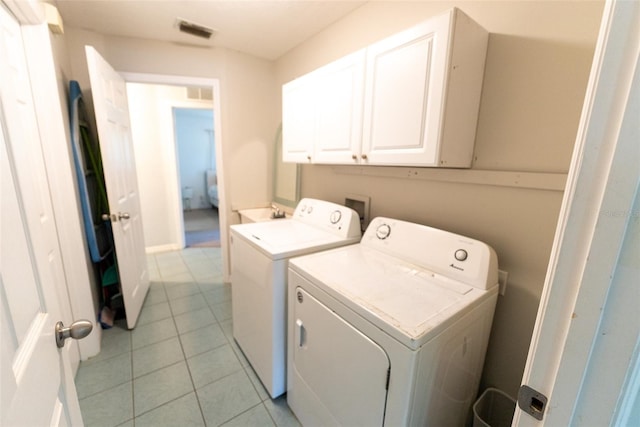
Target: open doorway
174, 178
195, 143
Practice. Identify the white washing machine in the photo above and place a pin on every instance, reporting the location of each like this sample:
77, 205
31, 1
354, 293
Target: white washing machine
392, 331
259, 257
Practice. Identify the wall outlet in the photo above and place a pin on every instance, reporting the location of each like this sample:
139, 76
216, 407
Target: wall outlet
502, 281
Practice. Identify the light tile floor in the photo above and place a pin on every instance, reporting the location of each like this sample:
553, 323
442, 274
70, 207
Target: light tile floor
180, 366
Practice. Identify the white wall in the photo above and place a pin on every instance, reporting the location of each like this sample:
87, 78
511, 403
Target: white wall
538, 62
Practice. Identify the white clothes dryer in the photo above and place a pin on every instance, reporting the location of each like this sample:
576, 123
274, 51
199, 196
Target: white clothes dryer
259, 258
392, 331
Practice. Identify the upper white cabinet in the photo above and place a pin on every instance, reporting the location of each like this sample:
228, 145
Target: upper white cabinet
299, 114
322, 112
411, 99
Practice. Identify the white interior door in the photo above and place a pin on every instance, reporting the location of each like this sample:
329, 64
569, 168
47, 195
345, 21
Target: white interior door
37, 385
584, 355
112, 117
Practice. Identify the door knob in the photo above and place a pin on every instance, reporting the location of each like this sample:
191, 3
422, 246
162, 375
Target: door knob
77, 330
123, 215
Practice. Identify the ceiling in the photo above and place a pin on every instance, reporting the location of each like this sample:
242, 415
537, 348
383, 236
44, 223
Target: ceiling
263, 28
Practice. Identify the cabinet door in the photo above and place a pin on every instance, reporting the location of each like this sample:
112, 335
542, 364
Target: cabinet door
299, 118
404, 95
339, 115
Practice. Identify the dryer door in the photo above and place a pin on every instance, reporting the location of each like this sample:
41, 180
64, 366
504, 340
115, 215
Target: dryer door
344, 371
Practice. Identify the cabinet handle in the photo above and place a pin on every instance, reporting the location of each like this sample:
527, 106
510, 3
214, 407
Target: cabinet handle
309, 157
364, 157
354, 157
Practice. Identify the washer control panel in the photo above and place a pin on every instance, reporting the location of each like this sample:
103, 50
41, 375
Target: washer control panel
332, 217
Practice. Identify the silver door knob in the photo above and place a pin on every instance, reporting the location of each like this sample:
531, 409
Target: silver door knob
77, 330
123, 215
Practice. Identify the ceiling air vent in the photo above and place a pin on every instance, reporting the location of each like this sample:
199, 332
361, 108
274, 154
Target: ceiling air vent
193, 28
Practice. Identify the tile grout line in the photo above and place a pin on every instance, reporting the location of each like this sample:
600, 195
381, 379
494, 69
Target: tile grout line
184, 355
133, 394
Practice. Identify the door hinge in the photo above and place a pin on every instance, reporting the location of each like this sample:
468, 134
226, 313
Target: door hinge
532, 402
386, 386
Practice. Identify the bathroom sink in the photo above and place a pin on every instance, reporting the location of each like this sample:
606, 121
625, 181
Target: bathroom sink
257, 215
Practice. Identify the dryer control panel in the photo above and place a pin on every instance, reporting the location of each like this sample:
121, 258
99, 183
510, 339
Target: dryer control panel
441, 252
338, 219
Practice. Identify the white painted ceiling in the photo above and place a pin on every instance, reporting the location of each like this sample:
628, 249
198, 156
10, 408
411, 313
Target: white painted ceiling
263, 28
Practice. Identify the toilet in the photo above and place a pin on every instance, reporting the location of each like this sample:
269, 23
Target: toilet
187, 195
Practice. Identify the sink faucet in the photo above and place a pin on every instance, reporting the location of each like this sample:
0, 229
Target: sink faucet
276, 212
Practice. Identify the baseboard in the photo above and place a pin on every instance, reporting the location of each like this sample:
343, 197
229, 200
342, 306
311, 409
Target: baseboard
162, 248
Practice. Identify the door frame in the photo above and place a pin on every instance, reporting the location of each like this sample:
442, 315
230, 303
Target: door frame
588, 279
214, 83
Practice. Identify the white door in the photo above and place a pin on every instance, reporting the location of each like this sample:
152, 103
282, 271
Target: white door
112, 116
338, 134
37, 384
584, 355
299, 119
404, 95
345, 370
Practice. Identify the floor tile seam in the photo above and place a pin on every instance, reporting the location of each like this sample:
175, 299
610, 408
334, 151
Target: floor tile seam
202, 352
218, 302
212, 304
167, 277
197, 309
247, 410
202, 327
133, 385
178, 284
111, 387
235, 371
163, 404
193, 384
91, 362
255, 386
198, 326
125, 422
174, 299
170, 269
155, 342
161, 368
155, 320
146, 305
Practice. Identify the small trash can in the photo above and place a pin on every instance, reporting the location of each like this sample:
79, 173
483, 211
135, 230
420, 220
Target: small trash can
494, 408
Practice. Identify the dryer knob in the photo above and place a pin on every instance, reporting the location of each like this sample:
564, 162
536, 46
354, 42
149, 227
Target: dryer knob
335, 217
383, 231
461, 255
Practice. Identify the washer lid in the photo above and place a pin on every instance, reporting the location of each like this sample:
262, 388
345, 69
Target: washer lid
284, 238
408, 302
